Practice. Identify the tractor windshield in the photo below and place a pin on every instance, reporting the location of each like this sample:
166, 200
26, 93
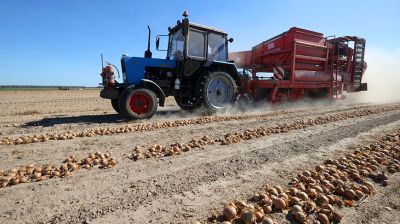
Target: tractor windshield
176, 45
216, 47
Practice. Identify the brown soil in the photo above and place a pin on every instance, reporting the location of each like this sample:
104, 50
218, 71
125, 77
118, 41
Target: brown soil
181, 188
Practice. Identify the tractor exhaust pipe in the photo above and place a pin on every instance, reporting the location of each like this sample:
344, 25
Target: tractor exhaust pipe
148, 54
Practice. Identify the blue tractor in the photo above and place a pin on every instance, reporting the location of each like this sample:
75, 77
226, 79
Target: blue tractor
196, 72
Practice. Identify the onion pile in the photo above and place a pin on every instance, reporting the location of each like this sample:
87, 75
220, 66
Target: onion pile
195, 121
40, 172
157, 150
314, 196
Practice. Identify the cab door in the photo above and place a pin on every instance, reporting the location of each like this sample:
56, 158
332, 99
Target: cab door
196, 51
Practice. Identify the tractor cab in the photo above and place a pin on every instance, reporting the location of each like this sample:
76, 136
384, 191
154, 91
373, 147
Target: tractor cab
196, 50
197, 43
191, 45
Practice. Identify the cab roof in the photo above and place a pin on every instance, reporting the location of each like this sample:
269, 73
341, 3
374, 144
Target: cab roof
199, 26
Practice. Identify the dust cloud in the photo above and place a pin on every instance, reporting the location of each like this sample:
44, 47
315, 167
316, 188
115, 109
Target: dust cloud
382, 76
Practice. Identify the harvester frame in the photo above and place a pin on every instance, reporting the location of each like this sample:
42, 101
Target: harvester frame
304, 63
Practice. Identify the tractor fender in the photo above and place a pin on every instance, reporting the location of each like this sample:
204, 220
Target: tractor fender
148, 84
110, 93
228, 67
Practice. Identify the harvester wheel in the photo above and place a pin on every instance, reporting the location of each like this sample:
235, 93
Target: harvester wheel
218, 91
115, 105
138, 103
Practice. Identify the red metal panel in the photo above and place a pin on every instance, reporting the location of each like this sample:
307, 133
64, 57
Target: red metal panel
311, 62
268, 84
242, 59
293, 64
311, 76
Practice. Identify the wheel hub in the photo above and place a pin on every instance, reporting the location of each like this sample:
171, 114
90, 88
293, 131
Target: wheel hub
140, 103
219, 91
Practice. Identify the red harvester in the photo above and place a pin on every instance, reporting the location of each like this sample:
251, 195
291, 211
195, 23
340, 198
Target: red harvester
302, 63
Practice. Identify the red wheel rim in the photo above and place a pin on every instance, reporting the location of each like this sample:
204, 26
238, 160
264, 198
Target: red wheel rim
140, 103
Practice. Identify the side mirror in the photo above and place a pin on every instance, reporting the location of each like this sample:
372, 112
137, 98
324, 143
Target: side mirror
157, 42
230, 40
158, 39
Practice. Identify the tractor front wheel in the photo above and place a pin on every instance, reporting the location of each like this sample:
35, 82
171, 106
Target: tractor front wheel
138, 103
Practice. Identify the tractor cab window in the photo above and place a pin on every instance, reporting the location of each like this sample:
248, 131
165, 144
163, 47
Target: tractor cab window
196, 44
176, 44
216, 47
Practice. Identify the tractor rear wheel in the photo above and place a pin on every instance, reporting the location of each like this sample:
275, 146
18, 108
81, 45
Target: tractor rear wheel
115, 105
218, 91
138, 103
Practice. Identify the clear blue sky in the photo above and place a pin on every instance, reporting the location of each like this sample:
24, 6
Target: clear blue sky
46, 42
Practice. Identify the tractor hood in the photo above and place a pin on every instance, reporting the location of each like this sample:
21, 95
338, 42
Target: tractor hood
133, 68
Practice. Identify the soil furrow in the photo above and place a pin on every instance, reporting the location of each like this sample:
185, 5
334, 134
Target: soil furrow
148, 190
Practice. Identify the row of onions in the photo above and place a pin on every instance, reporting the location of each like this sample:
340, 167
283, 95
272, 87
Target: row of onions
106, 131
177, 148
102, 131
41, 172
